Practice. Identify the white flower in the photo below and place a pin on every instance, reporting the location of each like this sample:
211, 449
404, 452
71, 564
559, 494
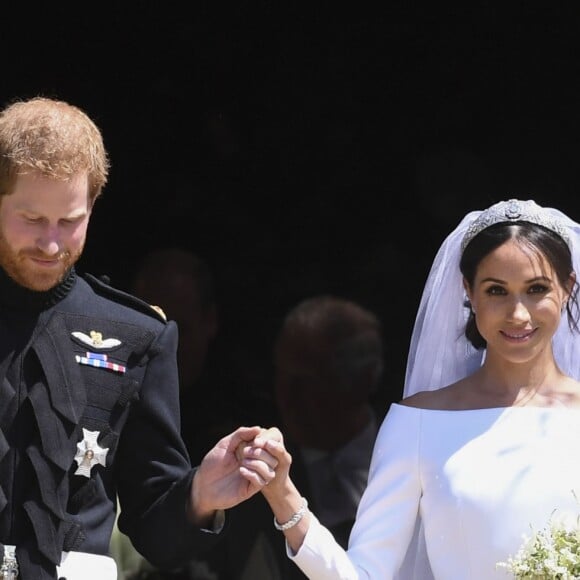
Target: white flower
551, 553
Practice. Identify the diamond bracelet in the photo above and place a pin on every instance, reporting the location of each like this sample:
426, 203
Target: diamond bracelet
294, 519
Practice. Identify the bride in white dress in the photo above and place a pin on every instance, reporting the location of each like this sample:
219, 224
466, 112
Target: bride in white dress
485, 446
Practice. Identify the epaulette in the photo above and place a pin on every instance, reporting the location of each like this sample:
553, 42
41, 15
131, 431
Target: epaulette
102, 287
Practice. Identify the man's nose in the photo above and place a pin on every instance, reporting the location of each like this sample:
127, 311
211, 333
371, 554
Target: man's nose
49, 241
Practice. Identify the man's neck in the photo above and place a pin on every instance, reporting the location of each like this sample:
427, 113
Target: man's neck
14, 295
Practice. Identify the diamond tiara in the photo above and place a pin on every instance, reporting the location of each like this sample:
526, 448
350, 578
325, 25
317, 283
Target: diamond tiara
515, 210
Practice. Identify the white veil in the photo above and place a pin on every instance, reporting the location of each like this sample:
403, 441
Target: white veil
440, 354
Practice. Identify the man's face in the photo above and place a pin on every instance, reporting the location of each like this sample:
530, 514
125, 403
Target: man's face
43, 227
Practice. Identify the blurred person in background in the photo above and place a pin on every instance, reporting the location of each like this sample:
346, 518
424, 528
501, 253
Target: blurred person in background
328, 367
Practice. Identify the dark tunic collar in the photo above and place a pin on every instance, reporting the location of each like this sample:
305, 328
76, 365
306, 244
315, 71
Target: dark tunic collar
17, 297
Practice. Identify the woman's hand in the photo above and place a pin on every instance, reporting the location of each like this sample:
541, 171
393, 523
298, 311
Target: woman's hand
222, 480
285, 500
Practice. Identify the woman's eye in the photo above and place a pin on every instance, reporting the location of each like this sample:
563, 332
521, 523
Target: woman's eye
538, 289
496, 291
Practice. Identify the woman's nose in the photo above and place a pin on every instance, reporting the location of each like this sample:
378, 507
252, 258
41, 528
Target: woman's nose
519, 311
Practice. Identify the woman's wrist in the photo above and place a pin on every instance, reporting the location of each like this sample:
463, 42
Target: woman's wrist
295, 519
285, 503
290, 511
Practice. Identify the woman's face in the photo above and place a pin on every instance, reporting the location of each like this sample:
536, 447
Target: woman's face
517, 300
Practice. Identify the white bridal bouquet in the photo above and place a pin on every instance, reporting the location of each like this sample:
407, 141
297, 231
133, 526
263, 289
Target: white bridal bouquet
551, 553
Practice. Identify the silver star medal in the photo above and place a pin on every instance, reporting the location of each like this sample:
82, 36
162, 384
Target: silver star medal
89, 453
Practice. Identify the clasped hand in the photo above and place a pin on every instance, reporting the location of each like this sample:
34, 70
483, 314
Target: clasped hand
237, 467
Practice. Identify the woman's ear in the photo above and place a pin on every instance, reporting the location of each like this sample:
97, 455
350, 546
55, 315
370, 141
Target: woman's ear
572, 282
467, 289
569, 286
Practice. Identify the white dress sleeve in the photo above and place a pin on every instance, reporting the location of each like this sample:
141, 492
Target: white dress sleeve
386, 513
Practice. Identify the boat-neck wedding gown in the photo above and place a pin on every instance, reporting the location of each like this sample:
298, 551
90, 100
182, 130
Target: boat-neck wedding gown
481, 480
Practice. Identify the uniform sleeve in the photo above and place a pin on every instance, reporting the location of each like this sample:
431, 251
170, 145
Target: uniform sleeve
153, 468
386, 515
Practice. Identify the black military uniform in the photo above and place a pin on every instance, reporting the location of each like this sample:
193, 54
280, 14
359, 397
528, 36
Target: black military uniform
88, 410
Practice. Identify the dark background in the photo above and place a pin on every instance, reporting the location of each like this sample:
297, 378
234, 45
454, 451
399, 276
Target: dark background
307, 148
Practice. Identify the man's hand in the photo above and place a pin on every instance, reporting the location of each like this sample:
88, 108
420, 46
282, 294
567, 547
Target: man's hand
226, 476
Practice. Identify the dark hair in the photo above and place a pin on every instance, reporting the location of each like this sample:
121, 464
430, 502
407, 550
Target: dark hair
353, 334
541, 241
155, 267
